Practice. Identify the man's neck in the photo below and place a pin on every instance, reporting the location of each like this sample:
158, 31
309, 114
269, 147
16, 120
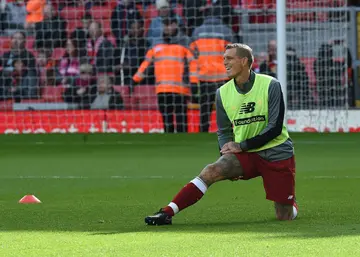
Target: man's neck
242, 79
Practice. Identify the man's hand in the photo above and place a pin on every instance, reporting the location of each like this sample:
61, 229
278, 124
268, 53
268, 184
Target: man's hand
231, 147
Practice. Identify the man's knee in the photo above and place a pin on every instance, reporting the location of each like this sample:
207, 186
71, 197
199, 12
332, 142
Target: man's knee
285, 211
211, 174
226, 167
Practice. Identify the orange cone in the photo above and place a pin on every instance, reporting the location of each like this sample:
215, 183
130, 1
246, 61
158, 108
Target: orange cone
29, 199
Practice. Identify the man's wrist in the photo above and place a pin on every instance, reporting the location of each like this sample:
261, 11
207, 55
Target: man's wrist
243, 146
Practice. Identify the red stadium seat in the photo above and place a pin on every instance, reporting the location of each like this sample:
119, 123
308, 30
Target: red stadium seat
125, 94
235, 3
58, 53
106, 25
6, 105
300, 16
112, 4
5, 44
112, 39
52, 94
33, 101
145, 97
140, 8
101, 12
71, 25
309, 68
72, 13
149, 14
261, 5
179, 10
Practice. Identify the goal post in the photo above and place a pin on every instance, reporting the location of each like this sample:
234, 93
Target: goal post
281, 42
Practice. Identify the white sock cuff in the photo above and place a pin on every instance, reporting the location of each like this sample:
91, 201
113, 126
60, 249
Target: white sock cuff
199, 184
174, 207
295, 212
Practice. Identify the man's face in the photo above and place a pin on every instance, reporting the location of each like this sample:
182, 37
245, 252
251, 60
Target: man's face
103, 85
170, 29
94, 30
272, 49
48, 12
136, 30
19, 66
41, 59
234, 64
164, 11
85, 75
18, 41
86, 23
70, 47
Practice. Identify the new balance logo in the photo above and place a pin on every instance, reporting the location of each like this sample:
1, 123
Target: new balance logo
290, 197
247, 108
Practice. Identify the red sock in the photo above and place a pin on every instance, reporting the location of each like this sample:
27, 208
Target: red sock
188, 195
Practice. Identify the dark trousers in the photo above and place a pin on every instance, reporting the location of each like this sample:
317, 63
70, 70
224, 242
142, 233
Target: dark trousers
171, 104
207, 100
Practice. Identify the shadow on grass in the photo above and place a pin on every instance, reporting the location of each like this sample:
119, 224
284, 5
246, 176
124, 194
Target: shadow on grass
270, 228
263, 229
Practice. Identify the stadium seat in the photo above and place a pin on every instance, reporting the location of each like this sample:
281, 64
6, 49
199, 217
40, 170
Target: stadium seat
30, 43
106, 25
112, 3
72, 13
52, 94
32, 101
30, 40
149, 14
71, 25
236, 3
145, 97
5, 44
140, 8
300, 16
309, 68
58, 53
6, 105
101, 12
111, 38
125, 94
179, 10
262, 17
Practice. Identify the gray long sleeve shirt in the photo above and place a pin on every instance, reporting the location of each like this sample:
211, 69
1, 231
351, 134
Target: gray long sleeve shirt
272, 130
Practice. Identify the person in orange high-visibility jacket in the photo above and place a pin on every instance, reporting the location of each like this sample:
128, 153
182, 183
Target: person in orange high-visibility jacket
175, 68
208, 43
34, 10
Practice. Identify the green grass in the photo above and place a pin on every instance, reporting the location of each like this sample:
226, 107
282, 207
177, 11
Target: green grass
94, 213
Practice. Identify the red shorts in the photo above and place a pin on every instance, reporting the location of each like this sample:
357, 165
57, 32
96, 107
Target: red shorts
278, 177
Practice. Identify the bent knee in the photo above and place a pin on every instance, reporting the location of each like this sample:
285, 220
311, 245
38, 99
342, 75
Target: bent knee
211, 173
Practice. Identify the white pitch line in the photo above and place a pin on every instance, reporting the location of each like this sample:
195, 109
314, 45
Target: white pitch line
153, 177
335, 177
162, 143
105, 177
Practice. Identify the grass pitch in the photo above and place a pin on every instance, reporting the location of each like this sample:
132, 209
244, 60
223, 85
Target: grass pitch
97, 189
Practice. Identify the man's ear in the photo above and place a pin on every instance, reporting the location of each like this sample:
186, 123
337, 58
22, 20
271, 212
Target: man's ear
244, 61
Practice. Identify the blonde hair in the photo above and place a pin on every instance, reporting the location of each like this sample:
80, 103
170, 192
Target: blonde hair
243, 50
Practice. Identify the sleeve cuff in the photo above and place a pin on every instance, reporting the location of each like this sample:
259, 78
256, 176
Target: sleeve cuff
243, 146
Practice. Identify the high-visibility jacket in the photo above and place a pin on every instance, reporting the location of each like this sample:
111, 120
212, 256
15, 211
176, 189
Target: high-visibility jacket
209, 42
35, 11
171, 62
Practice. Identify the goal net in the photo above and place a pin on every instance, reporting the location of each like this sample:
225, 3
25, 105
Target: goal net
132, 66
